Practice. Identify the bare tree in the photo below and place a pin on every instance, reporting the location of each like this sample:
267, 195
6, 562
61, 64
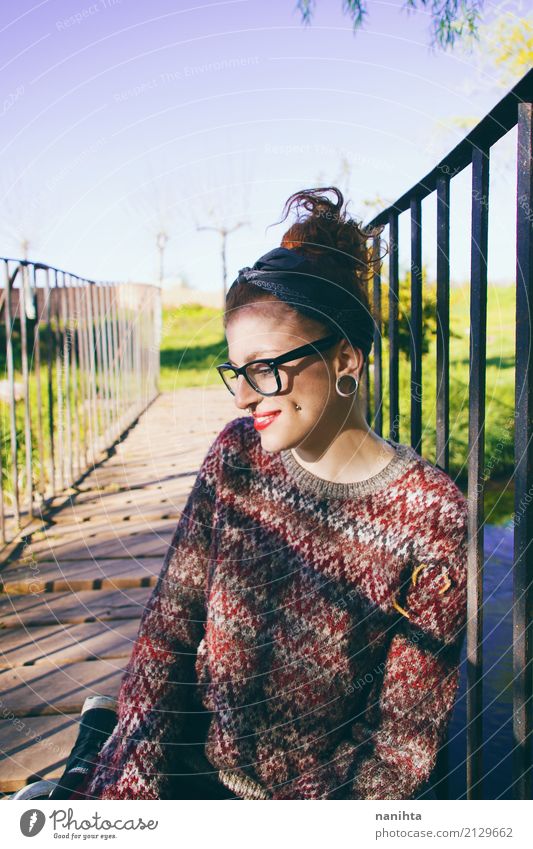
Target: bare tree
22, 215
223, 201
155, 204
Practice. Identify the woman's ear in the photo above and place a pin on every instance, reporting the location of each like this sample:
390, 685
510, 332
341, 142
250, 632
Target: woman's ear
349, 359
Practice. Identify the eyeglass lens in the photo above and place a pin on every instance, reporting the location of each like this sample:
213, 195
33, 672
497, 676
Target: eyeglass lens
261, 376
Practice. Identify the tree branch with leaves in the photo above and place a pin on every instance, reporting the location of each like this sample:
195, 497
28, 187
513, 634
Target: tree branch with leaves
450, 19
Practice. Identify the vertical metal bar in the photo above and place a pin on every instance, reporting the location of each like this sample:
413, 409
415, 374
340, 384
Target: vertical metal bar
146, 317
11, 379
116, 364
2, 502
49, 358
394, 383
73, 332
66, 368
443, 322
82, 358
415, 335
378, 329
363, 390
523, 528
37, 361
127, 352
136, 321
443, 392
476, 454
110, 361
26, 381
157, 336
99, 371
105, 364
88, 376
121, 354
59, 385
92, 366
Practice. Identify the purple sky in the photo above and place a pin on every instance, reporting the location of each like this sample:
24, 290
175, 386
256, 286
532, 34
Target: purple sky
119, 116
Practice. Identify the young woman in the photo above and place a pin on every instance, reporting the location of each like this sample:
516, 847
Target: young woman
303, 638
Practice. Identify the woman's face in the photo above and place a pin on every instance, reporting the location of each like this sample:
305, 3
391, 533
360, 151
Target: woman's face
271, 330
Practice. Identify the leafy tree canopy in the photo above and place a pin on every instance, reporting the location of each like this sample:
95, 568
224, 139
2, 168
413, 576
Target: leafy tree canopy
450, 19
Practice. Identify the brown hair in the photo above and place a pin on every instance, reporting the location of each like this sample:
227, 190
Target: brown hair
337, 244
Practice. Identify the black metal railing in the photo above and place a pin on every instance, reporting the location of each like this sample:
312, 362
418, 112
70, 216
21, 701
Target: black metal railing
80, 363
515, 109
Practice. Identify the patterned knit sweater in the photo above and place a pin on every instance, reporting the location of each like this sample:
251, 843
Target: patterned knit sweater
303, 638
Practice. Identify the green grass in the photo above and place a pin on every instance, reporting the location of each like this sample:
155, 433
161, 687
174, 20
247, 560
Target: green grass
192, 344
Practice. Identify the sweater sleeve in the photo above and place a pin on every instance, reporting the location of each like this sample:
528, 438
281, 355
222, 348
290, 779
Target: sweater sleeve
155, 689
420, 675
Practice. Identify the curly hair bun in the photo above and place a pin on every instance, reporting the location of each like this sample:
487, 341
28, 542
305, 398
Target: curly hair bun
324, 231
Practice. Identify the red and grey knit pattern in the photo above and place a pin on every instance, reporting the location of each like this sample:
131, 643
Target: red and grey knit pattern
313, 628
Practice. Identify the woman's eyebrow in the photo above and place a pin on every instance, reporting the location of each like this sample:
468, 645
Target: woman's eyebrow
255, 355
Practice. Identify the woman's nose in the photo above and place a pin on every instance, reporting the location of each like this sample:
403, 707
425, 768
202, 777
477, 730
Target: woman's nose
244, 393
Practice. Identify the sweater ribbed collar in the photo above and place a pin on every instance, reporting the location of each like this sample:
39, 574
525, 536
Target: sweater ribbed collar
310, 482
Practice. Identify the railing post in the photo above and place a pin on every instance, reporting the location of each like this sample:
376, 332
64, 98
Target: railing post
394, 385
59, 384
37, 366
476, 457
378, 329
23, 295
11, 379
443, 323
523, 527
415, 335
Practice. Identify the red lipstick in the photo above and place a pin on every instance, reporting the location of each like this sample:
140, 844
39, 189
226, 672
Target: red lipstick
263, 420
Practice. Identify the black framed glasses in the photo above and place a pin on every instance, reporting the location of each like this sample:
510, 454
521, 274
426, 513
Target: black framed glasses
262, 375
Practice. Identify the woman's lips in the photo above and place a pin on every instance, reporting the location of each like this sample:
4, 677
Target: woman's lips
261, 422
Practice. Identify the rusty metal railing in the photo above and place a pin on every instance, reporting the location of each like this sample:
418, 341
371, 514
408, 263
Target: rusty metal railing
80, 363
514, 110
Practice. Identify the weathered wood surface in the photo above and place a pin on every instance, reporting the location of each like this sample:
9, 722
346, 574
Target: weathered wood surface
60, 644
19, 611
70, 605
35, 747
74, 575
39, 690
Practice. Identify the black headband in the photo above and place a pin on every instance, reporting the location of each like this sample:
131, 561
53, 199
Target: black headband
296, 280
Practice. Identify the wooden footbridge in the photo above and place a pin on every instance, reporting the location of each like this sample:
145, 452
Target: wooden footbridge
73, 594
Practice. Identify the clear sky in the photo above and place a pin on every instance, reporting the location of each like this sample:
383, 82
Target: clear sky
120, 117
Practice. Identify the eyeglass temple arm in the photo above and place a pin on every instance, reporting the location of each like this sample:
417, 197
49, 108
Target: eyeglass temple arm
305, 349
291, 355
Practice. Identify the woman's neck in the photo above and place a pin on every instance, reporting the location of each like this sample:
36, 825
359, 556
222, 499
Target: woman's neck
355, 454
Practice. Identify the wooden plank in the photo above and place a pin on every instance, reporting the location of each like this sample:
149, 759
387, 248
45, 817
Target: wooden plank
34, 748
67, 607
54, 644
80, 575
92, 521
111, 544
51, 534
93, 514
142, 499
121, 469
47, 689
